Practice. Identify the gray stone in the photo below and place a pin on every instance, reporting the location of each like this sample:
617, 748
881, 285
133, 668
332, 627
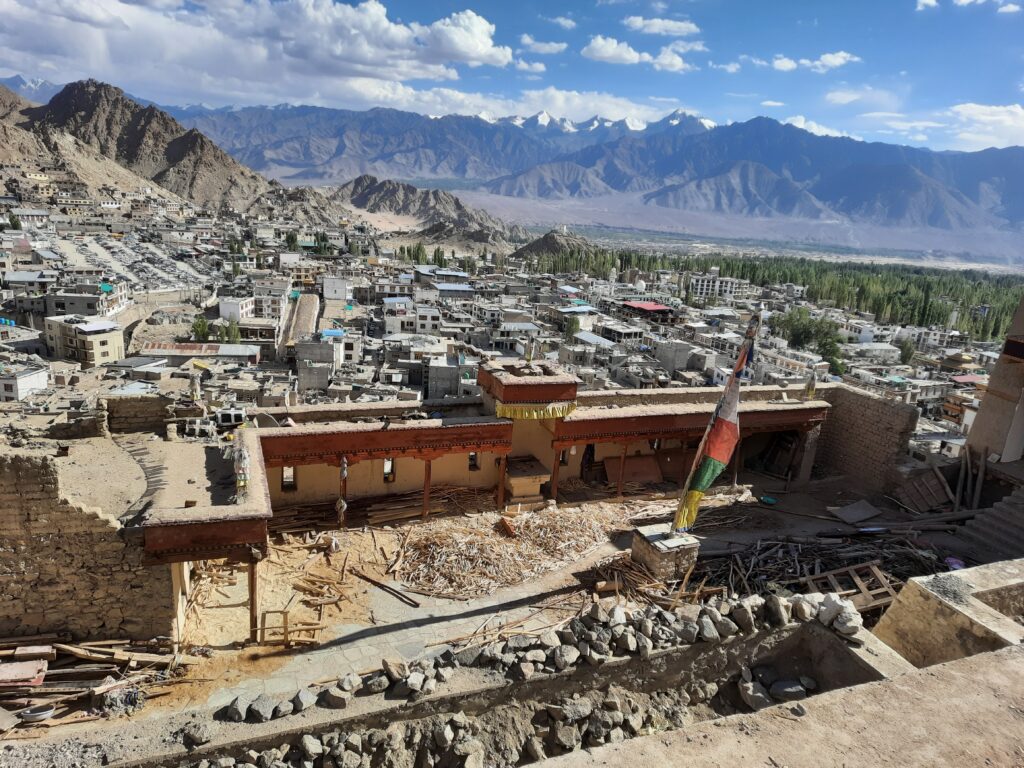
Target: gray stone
468, 657
776, 610
708, 633
549, 639
808, 682
564, 656
686, 632
444, 736
754, 695
443, 674
196, 734
262, 709
395, 669
627, 643
565, 735
831, 606
429, 686
743, 617
534, 747
577, 709
237, 709
787, 690
646, 627
725, 627
520, 643
224, 762
376, 682
351, 682
537, 656
310, 746
644, 646
616, 736
304, 699
765, 675
617, 617
334, 698
468, 747
522, 671
350, 760
284, 708
475, 760
354, 741
415, 681
848, 622
597, 613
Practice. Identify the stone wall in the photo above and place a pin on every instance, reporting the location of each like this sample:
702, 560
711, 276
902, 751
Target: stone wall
64, 567
865, 437
137, 413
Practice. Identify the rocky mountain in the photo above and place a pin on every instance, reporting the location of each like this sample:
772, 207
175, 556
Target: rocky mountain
36, 90
442, 215
555, 242
317, 145
765, 168
147, 142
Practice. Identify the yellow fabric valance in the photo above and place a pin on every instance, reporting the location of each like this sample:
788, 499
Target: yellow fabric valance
535, 411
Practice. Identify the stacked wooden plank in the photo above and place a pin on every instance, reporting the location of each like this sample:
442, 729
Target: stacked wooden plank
40, 671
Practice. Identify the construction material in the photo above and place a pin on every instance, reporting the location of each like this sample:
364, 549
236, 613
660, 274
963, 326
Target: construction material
864, 584
857, 512
466, 557
398, 595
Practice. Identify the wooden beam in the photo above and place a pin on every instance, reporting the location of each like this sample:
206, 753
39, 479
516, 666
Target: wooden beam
622, 468
426, 487
556, 464
254, 603
502, 471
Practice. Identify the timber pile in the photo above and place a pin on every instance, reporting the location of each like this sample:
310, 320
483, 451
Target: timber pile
45, 671
466, 557
382, 510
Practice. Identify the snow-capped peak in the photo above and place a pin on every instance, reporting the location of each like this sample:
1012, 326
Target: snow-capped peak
634, 125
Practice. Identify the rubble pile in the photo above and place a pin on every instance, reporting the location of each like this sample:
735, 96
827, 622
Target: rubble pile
538, 729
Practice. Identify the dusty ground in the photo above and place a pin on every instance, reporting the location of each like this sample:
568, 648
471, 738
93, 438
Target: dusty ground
965, 713
87, 472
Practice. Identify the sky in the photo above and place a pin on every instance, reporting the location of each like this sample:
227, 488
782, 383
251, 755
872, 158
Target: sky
945, 74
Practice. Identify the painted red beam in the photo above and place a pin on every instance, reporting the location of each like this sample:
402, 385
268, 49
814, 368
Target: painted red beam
661, 426
205, 540
321, 445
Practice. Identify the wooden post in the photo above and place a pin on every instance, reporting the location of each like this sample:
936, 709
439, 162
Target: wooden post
736, 461
502, 470
254, 602
556, 463
980, 479
426, 487
622, 467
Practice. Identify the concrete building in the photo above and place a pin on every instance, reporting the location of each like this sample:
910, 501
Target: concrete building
20, 381
88, 342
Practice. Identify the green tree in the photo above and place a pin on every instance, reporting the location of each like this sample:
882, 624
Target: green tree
291, 240
907, 350
222, 333
201, 329
572, 327
236, 268
13, 221
234, 334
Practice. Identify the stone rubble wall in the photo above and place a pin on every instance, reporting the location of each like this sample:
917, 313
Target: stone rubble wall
137, 413
865, 437
65, 567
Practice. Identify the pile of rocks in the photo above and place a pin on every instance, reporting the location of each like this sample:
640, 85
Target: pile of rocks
762, 687
593, 638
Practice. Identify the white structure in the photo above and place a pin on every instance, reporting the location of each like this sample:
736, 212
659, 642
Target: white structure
337, 288
19, 381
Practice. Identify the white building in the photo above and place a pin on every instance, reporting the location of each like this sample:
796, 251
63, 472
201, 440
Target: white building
19, 381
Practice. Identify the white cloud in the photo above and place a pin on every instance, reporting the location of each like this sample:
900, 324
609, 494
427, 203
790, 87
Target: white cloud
536, 46
783, 64
612, 51
731, 67
924, 4
772, 103
669, 58
828, 61
1009, 8
799, 121
757, 62
670, 27
881, 115
865, 96
984, 125
535, 67
563, 21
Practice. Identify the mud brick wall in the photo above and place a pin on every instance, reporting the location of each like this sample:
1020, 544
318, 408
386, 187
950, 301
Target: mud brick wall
64, 567
137, 413
865, 437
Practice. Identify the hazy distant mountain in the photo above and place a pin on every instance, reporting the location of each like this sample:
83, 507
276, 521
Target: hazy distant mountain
148, 142
35, 90
765, 168
555, 242
319, 144
441, 213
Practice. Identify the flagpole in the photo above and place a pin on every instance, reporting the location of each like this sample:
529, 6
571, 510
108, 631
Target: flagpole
752, 327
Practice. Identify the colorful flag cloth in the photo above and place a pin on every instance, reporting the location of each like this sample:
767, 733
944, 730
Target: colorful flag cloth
722, 439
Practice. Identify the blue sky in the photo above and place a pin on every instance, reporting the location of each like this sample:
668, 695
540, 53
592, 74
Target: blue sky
938, 73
